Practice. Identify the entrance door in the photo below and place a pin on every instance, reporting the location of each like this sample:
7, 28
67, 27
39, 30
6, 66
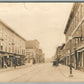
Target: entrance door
79, 60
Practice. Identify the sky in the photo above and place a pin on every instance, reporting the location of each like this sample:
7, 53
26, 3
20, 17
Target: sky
42, 21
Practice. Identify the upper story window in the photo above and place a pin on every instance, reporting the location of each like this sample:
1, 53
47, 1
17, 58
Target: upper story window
23, 51
6, 49
9, 49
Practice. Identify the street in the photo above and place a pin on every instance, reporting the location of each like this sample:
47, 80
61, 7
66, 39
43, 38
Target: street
38, 73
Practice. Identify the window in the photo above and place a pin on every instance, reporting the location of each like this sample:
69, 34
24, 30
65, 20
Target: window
18, 51
9, 49
1, 47
6, 49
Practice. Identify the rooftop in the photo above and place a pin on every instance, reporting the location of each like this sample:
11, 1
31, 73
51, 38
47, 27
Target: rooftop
74, 7
11, 29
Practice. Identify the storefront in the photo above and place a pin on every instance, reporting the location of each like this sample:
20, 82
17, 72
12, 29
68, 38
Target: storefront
80, 59
18, 60
1, 60
4, 60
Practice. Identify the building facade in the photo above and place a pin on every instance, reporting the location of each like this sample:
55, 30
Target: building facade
62, 58
32, 48
75, 30
58, 53
12, 47
33, 53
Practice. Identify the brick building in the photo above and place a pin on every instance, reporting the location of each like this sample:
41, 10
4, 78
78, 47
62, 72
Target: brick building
75, 30
12, 47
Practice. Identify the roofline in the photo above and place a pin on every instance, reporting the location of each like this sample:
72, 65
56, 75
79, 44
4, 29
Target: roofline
32, 40
11, 29
66, 28
62, 46
58, 47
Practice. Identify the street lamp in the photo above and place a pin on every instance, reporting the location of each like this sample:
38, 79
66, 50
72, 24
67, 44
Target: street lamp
70, 39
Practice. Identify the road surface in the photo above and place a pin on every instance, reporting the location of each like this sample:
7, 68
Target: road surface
36, 73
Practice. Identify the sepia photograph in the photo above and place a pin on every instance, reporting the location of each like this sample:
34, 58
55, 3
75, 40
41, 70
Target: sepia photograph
41, 42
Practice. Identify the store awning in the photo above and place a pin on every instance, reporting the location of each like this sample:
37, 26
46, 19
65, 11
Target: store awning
80, 50
63, 57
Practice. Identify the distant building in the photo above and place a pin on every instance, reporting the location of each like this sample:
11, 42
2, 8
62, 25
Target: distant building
41, 56
32, 47
57, 54
12, 47
62, 54
33, 53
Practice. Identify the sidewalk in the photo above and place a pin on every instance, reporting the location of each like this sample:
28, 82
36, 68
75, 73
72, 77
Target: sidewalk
65, 70
17, 67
